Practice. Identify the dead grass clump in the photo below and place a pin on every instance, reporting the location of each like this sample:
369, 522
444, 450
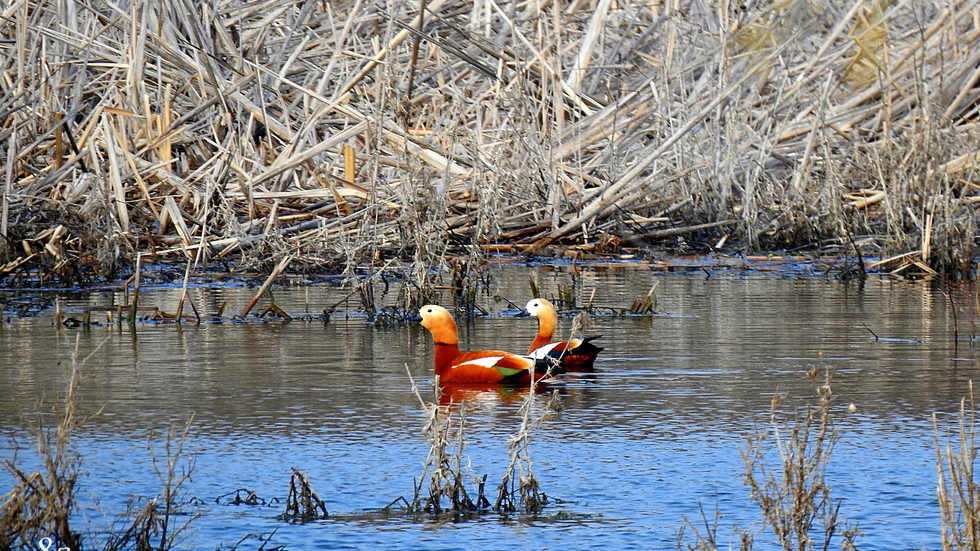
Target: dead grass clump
794, 496
445, 493
958, 492
41, 504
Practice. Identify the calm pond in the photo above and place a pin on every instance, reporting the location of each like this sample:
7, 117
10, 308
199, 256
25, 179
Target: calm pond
645, 442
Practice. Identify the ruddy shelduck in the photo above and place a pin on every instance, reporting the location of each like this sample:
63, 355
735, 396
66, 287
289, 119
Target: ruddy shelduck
482, 366
573, 355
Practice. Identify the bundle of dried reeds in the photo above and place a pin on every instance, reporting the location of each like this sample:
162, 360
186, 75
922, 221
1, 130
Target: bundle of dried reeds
334, 132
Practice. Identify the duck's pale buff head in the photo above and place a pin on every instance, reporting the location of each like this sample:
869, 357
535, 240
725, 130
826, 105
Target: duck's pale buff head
440, 323
547, 320
539, 307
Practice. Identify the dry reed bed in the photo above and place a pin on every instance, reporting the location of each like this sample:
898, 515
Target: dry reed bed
333, 133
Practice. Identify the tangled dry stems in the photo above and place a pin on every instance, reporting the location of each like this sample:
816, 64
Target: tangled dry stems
444, 469
338, 132
446, 472
42, 503
302, 502
151, 524
519, 490
958, 491
793, 495
796, 500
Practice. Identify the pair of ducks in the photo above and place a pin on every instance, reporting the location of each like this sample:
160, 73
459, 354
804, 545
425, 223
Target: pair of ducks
494, 366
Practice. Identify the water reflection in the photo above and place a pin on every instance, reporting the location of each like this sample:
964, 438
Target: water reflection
488, 395
655, 431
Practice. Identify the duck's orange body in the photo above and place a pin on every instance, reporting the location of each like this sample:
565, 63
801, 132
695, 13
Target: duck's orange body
573, 354
483, 366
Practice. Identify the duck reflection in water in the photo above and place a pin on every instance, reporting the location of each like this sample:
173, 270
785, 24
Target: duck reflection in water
486, 395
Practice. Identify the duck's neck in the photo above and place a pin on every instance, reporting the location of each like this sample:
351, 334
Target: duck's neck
445, 354
546, 328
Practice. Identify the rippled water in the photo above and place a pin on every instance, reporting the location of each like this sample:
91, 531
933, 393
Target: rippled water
651, 437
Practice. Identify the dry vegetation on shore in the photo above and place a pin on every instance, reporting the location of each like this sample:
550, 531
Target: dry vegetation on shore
336, 133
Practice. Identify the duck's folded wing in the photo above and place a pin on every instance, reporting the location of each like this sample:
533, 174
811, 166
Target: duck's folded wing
487, 363
573, 346
552, 349
573, 355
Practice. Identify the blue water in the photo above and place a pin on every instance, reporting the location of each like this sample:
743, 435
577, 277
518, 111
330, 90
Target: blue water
650, 441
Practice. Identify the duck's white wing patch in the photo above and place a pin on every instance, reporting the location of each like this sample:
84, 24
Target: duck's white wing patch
488, 361
542, 352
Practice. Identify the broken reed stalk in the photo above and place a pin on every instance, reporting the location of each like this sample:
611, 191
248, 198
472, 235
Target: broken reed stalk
958, 492
648, 303
265, 286
192, 260
134, 304
302, 503
184, 297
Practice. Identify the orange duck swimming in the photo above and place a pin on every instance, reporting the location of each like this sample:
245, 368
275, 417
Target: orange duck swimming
482, 366
572, 355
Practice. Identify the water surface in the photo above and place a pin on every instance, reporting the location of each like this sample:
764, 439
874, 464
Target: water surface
648, 440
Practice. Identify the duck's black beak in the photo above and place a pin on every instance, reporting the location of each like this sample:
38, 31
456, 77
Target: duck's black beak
522, 314
416, 317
